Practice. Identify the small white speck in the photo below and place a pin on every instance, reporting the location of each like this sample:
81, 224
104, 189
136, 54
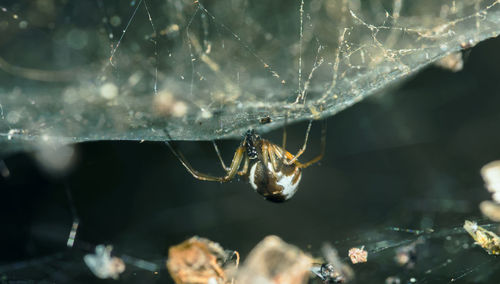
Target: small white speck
179, 109
109, 91
205, 114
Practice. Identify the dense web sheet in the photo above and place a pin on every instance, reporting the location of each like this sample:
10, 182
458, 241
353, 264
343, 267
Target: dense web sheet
110, 70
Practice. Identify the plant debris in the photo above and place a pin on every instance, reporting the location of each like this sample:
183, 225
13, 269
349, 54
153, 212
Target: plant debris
358, 255
274, 261
199, 260
488, 240
102, 264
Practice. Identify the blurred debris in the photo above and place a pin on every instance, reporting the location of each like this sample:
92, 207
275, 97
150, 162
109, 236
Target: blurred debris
166, 105
170, 31
467, 44
72, 233
392, 280
327, 273
488, 240
334, 271
407, 255
102, 264
274, 261
358, 255
109, 91
199, 260
54, 158
76, 221
265, 120
452, 62
491, 175
490, 209
4, 171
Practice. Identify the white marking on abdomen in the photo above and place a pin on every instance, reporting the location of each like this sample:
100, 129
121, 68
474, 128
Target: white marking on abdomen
289, 188
252, 176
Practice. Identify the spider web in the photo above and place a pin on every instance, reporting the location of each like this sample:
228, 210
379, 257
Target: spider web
211, 70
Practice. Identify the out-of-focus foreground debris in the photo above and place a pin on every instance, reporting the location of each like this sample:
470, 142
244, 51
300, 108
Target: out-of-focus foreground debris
358, 255
102, 264
452, 62
407, 255
199, 260
274, 261
392, 280
491, 176
490, 209
488, 240
334, 270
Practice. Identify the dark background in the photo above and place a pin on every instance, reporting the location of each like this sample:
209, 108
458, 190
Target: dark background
408, 158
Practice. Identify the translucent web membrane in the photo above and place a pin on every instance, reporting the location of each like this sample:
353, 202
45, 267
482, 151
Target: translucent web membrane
114, 70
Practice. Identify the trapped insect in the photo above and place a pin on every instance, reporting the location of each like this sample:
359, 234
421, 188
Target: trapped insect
488, 240
272, 171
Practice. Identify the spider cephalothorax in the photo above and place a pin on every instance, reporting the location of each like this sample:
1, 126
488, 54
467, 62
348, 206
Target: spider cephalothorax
272, 171
249, 141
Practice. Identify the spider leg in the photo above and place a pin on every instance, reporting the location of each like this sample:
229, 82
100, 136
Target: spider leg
301, 151
220, 156
244, 171
275, 155
233, 169
283, 144
322, 153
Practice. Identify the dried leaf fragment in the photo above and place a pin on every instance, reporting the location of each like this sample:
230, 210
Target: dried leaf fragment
358, 255
198, 260
274, 261
488, 240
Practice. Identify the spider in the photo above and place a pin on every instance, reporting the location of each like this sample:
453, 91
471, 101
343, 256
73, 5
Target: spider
272, 171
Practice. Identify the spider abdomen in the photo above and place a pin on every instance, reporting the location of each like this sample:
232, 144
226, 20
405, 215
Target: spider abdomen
275, 185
